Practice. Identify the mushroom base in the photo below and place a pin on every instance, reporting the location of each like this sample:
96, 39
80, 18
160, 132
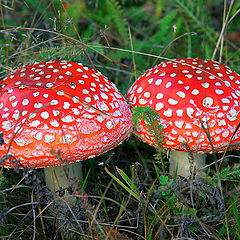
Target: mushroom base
63, 177
180, 161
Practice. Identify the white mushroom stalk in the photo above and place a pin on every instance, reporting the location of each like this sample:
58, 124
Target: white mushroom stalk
57, 113
187, 93
180, 164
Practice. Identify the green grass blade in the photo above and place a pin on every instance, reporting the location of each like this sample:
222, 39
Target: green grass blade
127, 179
135, 195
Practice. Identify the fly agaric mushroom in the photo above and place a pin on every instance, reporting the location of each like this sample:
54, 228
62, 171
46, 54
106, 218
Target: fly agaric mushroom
186, 92
55, 113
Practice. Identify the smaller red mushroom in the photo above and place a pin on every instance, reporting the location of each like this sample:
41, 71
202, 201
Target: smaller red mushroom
56, 113
188, 93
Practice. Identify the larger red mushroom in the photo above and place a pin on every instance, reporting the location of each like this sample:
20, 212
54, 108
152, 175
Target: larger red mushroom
56, 113
188, 93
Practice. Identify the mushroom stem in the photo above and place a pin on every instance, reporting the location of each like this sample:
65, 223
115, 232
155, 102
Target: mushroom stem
62, 177
180, 161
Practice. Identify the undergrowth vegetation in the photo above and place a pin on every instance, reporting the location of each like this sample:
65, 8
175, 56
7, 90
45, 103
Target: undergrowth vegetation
126, 193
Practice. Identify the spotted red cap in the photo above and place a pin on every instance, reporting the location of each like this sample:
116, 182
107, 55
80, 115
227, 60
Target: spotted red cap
185, 91
61, 106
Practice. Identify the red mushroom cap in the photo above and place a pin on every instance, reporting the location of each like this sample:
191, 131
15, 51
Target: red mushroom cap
185, 91
60, 106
